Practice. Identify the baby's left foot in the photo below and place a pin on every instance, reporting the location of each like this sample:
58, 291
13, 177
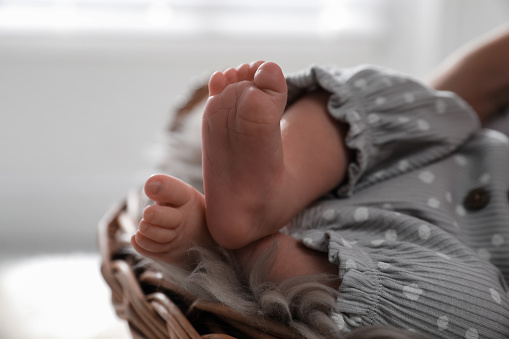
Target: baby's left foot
174, 224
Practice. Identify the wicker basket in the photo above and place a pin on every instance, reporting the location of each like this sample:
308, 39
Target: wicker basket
153, 307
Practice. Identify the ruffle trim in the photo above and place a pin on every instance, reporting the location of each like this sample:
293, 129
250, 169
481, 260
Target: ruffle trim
359, 99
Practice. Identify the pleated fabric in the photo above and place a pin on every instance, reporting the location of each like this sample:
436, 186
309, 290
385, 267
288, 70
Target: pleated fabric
420, 227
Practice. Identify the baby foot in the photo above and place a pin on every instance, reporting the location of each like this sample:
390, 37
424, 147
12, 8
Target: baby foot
243, 165
174, 224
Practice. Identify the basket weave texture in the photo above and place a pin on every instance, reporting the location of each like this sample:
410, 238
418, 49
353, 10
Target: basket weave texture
152, 306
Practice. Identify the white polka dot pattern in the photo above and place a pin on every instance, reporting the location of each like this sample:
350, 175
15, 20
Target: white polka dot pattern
373, 118
483, 253
427, 177
461, 160
444, 256
360, 83
424, 232
361, 214
409, 97
485, 178
403, 165
433, 203
496, 296
497, 240
471, 333
329, 215
350, 264
442, 323
423, 125
460, 210
412, 292
387, 206
440, 106
380, 101
391, 235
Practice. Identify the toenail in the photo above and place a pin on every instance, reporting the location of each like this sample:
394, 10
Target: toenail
148, 213
139, 238
143, 227
154, 187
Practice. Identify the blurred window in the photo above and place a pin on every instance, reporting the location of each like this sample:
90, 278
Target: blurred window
230, 17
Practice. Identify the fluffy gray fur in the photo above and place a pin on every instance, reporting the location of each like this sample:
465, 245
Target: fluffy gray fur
181, 154
303, 303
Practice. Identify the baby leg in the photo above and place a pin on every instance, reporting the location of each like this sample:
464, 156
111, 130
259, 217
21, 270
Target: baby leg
175, 223
291, 259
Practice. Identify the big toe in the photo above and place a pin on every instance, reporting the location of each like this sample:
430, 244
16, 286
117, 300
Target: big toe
269, 77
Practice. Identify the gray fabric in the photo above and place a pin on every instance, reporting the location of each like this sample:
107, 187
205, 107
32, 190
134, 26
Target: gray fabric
410, 255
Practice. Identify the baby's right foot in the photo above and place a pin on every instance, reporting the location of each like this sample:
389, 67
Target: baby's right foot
174, 224
243, 164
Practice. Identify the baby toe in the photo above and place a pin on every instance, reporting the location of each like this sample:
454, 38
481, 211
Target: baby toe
149, 245
164, 216
244, 73
231, 75
217, 83
158, 234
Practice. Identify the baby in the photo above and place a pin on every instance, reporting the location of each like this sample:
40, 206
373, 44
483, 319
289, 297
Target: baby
381, 182
260, 169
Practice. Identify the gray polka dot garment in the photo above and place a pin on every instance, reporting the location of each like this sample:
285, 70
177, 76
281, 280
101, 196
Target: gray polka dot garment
420, 228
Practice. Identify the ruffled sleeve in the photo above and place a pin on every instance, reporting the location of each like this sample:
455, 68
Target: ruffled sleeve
400, 271
396, 124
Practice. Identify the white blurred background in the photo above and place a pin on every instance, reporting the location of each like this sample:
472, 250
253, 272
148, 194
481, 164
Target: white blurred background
86, 87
